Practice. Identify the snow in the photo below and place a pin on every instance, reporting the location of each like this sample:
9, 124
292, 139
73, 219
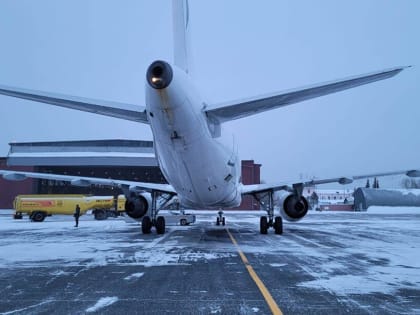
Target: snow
217, 309
405, 191
392, 253
134, 276
277, 265
20, 310
337, 251
394, 210
93, 243
103, 302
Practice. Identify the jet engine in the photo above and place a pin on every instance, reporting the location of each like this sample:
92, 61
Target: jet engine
292, 208
159, 74
137, 204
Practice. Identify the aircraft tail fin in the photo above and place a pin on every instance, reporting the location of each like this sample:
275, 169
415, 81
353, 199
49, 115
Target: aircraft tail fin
180, 16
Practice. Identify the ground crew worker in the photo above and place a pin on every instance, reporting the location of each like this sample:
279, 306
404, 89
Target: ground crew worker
77, 215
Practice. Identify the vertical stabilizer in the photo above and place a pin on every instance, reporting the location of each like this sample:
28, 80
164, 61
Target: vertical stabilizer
180, 16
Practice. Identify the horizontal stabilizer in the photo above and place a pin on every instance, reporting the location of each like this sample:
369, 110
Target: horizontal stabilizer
106, 108
246, 107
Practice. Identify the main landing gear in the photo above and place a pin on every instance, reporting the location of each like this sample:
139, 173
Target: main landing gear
154, 220
277, 224
270, 220
220, 219
147, 223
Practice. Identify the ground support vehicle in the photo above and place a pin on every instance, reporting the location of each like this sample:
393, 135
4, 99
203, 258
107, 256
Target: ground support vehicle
38, 207
179, 217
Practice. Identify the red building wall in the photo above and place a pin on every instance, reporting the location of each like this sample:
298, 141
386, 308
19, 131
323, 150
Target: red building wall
9, 189
250, 175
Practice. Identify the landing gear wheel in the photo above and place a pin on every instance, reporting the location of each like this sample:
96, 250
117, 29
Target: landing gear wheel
278, 225
146, 225
217, 221
160, 225
223, 221
183, 222
263, 225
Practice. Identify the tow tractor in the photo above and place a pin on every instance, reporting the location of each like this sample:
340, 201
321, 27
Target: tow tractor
179, 217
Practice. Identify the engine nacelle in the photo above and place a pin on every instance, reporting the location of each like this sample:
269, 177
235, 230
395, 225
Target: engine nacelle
159, 74
137, 204
292, 208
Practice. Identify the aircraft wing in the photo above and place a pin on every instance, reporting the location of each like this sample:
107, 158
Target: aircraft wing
113, 109
260, 188
241, 108
87, 181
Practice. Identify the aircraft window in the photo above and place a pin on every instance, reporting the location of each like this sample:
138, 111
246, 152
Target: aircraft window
228, 177
174, 135
210, 188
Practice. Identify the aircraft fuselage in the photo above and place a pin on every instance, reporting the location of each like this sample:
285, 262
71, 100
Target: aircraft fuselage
201, 169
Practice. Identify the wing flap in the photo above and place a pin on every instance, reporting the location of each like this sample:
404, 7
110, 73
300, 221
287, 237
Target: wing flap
106, 108
246, 107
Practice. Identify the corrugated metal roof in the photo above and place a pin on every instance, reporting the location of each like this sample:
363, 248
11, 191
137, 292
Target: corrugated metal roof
82, 153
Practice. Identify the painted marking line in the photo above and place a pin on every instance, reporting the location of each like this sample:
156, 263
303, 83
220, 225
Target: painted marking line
263, 289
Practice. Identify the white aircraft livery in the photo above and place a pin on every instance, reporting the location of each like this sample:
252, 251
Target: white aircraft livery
200, 170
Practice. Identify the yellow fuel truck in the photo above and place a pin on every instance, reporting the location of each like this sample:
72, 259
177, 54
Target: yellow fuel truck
40, 206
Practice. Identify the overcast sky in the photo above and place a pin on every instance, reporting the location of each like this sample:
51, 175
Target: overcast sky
101, 49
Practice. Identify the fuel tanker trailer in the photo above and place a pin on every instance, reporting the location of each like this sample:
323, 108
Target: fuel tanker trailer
37, 207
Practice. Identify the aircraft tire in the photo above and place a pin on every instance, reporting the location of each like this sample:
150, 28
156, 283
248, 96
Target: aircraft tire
223, 221
263, 225
160, 225
183, 222
217, 221
146, 225
278, 225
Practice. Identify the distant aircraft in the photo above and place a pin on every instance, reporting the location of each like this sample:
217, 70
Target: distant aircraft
201, 172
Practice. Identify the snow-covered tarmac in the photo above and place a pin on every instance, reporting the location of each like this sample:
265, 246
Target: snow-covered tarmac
363, 263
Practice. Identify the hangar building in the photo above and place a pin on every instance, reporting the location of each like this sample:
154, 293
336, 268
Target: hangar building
119, 159
366, 197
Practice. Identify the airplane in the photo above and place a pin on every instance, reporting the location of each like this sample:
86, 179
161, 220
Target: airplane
201, 172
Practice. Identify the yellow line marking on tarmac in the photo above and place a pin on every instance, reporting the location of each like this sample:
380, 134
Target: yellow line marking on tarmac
263, 289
